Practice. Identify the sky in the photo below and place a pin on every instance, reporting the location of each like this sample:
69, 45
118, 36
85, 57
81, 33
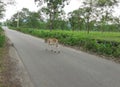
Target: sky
12, 9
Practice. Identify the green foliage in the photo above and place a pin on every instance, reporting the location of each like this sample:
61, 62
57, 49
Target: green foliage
53, 10
2, 9
106, 2
116, 52
26, 19
95, 13
2, 37
107, 43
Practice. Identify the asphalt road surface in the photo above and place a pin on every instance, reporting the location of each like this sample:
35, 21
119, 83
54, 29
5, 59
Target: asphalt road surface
70, 68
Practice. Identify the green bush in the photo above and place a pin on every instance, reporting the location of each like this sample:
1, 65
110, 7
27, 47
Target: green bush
91, 45
105, 44
2, 37
116, 52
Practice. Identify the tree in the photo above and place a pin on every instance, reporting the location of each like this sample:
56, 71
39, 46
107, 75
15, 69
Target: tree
104, 6
116, 22
106, 10
106, 3
43, 13
26, 19
33, 20
3, 3
2, 9
73, 19
54, 8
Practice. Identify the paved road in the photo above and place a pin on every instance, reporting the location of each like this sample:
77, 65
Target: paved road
70, 68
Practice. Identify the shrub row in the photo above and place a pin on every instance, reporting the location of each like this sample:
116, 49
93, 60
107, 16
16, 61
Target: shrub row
103, 47
2, 37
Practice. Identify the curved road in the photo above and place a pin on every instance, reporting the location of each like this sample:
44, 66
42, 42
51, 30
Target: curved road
70, 68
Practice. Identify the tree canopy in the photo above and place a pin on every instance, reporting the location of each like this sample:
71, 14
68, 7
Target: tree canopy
92, 15
2, 9
53, 9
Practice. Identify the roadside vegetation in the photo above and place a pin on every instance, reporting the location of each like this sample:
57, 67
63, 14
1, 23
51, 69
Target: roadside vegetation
2, 37
4, 57
107, 43
7, 64
92, 27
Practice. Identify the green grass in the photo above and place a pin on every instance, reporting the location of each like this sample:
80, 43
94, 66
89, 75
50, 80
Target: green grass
2, 37
108, 36
105, 43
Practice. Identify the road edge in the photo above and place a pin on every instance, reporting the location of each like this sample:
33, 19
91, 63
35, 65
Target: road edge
21, 72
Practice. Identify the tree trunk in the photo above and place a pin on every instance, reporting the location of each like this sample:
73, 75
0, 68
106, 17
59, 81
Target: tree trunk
87, 26
50, 24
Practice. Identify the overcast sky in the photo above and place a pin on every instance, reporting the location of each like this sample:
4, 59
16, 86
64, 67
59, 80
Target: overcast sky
10, 10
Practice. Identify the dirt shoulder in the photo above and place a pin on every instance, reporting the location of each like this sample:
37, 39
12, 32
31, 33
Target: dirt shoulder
12, 70
8, 68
